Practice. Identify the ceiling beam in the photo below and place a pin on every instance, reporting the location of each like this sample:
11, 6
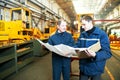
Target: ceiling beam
103, 20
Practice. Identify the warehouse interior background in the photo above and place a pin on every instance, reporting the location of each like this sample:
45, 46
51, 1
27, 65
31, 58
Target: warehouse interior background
22, 21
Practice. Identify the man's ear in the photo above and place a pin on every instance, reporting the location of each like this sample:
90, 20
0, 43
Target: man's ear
57, 27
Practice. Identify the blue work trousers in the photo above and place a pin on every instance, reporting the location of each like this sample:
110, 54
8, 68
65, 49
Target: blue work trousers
85, 77
60, 65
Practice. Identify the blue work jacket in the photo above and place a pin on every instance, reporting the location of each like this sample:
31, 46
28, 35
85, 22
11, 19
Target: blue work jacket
94, 66
61, 38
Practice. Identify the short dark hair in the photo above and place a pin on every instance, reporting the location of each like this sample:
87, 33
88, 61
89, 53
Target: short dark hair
87, 18
60, 21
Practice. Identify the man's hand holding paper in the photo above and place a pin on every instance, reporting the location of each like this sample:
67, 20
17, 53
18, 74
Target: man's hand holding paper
86, 53
90, 53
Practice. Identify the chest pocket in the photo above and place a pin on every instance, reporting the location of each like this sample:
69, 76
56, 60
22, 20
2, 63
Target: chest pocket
62, 39
88, 42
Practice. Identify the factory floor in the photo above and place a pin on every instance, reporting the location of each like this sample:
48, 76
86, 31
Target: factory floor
41, 69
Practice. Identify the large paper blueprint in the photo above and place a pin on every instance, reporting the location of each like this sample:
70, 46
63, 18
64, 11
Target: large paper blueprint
61, 49
68, 51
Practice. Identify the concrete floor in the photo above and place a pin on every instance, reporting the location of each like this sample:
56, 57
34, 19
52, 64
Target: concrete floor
41, 69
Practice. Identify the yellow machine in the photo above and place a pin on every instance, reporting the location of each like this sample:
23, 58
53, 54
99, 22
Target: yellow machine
4, 32
114, 42
18, 29
49, 31
50, 28
21, 24
37, 33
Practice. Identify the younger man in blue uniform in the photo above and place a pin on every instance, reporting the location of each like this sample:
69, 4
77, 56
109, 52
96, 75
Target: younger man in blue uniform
92, 68
60, 64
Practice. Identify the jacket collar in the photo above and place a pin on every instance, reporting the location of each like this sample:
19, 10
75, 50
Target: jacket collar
95, 30
63, 33
90, 31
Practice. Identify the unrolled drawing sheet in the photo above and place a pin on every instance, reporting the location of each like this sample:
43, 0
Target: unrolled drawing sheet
61, 49
48, 46
95, 47
68, 51
65, 50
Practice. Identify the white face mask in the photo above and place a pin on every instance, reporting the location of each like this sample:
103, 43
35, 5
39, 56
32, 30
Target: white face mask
62, 27
87, 25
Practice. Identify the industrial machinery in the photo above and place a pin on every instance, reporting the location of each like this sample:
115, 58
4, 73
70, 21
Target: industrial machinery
114, 42
50, 28
18, 29
21, 20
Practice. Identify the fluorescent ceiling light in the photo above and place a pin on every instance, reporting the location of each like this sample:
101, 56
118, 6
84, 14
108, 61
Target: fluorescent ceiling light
88, 6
